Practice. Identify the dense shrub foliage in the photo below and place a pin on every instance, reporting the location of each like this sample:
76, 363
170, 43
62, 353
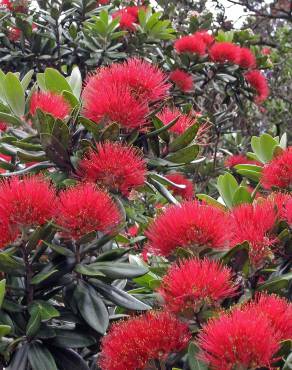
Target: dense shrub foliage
143, 226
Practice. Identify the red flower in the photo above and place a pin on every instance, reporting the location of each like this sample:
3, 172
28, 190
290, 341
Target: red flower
182, 79
223, 52
114, 166
192, 226
254, 223
259, 83
185, 121
193, 44
240, 340
132, 344
278, 172
84, 209
3, 126
205, 37
103, 2
50, 103
129, 87
5, 4
246, 58
266, 51
145, 80
234, 160
280, 201
190, 284
114, 103
14, 34
277, 310
7, 233
26, 202
127, 20
178, 178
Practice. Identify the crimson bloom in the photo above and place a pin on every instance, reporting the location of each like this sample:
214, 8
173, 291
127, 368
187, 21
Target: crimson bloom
223, 52
84, 209
50, 103
26, 202
280, 201
132, 344
246, 58
103, 2
114, 166
266, 51
14, 34
277, 310
205, 37
240, 340
278, 172
184, 122
254, 224
127, 20
182, 79
234, 160
190, 225
187, 192
259, 83
193, 44
190, 284
3, 126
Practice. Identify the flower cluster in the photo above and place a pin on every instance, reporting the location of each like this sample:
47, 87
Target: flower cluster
184, 122
114, 166
50, 103
189, 285
187, 192
236, 159
192, 226
130, 88
278, 172
197, 43
247, 337
128, 17
132, 344
182, 80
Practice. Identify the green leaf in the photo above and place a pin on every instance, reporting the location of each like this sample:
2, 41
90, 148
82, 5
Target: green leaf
72, 338
120, 270
71, 99
26, 79
67, 359
288, 363
194, 362
185, 155
55, 82
111, 132
118, 296
88, 270
34, 323
14, 94
4, 330
8, 118
40, 358
263, 147
2, 291
45, 309
241, 195
91, 307
41, 81
227, 186
41, 276
277, 284
209, 200
164, 192
185, 139
19, 359
75, 81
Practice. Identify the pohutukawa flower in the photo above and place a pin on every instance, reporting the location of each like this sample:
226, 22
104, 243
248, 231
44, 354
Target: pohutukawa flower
26, 202
190, 284
184, 122
236, 159
132, 344
224, 52
178, 178
8, 233
259, 83
3, 126
192, 226
84, 209
113, 104
193, 44
50, 103
117, 167
239, 340
254, 224
5, 5
266, 51
205, 37
280, 200
103, 2
182, 79
14, 34
127, 20
278, 172
246, 58
278, 311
